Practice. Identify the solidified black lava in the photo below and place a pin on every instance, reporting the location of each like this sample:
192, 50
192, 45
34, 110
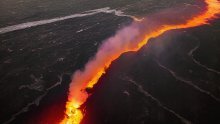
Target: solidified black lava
163, 84
173, 79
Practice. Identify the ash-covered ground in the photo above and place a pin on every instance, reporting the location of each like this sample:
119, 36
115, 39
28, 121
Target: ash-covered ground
173, 79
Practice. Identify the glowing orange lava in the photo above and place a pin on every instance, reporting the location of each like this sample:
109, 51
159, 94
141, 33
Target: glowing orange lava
74, 115
96, 67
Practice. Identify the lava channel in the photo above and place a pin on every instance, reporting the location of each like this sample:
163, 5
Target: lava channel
130, 38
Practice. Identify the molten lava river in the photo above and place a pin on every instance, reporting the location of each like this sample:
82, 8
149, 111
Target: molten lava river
131, 39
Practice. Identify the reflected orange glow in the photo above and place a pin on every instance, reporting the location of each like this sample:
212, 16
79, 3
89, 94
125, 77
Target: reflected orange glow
96, 68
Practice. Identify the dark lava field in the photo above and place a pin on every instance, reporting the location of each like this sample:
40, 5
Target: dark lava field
174, 79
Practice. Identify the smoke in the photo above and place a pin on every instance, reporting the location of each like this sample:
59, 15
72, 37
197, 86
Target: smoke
111, 49
132, 38
126, 39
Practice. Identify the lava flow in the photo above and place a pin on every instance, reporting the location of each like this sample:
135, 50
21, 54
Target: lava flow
130, 38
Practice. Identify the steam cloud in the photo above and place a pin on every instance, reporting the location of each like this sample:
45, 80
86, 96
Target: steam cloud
126, 39
132, 38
